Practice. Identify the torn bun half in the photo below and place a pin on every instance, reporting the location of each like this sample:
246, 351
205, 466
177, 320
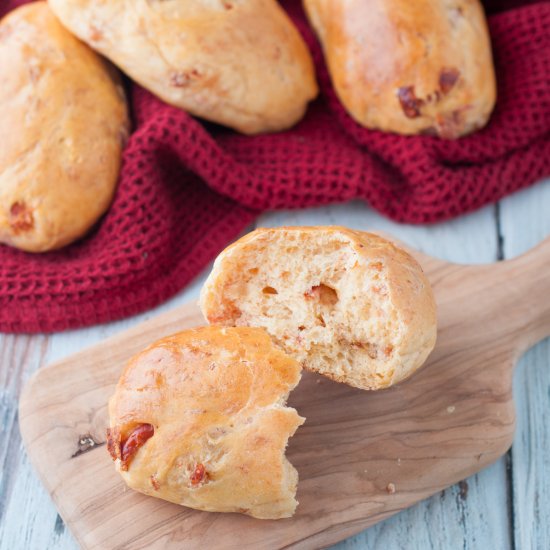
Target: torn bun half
347, 304
199, 419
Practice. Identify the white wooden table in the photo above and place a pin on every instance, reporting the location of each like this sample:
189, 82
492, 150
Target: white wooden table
506, 506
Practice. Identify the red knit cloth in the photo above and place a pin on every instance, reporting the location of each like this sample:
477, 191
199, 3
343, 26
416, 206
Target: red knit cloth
188, 188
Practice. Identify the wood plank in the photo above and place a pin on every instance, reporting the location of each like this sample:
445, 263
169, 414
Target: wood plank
20, 356
449, 420
526, 221
474, 513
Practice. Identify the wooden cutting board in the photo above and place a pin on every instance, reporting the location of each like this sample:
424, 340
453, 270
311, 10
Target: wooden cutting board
361, 456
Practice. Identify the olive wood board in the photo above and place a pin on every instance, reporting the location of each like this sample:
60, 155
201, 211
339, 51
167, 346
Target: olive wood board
361, 456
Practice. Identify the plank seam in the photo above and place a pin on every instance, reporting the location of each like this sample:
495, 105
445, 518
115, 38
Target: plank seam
509, 460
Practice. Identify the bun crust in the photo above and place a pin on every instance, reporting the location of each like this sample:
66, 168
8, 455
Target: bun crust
411, 67
240, 63
347, 304
63, 124
199, 419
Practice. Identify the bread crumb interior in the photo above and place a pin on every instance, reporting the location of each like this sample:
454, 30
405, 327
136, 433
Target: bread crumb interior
320, 300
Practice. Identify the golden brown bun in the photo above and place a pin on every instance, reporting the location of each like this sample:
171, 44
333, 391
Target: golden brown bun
409, 66
240, 63
347, 304
215, 399
63, 123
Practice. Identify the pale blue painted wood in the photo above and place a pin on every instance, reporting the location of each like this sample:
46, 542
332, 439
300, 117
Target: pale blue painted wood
525, 221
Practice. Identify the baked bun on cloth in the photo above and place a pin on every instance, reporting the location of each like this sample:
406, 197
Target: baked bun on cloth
199, 419
347, 304
410, 67
63, 125
239, 63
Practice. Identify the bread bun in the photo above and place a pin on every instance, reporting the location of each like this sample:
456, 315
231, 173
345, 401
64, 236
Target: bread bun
199, 419
239, 63
410, 67
347, 304
63, 124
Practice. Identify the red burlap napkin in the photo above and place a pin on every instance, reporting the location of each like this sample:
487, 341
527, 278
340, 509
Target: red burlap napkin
188, 188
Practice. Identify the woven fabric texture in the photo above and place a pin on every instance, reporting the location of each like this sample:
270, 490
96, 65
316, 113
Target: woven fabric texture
187, 188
